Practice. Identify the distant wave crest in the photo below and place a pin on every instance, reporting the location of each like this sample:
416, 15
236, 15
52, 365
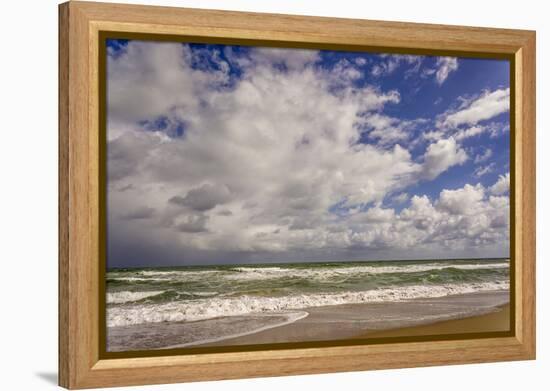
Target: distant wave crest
127, 297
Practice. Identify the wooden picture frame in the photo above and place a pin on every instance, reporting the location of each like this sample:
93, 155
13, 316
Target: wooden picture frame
81, 164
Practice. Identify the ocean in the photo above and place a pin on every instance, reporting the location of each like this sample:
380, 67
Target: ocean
197, 293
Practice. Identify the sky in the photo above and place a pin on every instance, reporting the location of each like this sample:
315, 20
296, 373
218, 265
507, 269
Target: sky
222, 154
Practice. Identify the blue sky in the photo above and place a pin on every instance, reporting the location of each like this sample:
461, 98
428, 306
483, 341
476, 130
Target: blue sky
228, 154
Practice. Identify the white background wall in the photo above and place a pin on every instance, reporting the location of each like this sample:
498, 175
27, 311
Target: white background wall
28, 195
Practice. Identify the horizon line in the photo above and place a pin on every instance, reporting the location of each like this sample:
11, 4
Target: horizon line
309, 262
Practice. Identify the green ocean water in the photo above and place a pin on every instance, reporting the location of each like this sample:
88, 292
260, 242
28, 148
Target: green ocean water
147, 295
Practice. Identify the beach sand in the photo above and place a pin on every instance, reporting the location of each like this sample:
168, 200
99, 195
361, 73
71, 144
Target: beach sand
494, 321
458, 314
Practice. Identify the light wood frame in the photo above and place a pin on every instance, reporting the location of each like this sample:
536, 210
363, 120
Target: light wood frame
80, 24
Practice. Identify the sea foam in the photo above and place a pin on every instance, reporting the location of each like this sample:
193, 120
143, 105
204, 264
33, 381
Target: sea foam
267, 273
127, 297
200, 309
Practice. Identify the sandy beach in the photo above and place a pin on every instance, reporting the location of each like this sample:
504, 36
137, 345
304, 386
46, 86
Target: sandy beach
457, 314
494, 321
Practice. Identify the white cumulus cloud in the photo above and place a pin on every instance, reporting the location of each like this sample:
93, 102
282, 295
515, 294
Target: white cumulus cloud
441, 155
502, 186
486, 106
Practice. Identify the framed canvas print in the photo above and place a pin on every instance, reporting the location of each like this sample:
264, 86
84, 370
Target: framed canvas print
255, 195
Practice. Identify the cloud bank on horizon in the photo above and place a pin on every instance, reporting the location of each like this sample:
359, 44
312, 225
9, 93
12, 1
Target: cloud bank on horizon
230, 154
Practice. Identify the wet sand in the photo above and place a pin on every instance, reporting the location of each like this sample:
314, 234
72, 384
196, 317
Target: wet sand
494, 321
468, 313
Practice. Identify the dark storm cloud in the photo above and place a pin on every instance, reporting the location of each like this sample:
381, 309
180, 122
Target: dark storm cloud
139, 213
203, 198
193, 224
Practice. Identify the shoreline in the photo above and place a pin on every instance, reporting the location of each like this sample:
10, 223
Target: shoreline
297, 317
433, 316
455, 314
